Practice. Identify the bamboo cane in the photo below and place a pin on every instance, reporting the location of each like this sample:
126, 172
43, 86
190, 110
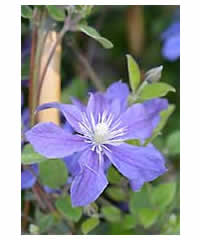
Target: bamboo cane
51, 85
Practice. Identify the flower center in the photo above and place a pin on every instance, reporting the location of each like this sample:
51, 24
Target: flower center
101, 133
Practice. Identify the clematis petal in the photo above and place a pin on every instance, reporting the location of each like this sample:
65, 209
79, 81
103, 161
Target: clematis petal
90, 183
28, 179
97, 104
173, 29
52, 141
136, 184
119, 91
139, 164
171, 48
79, 104
72, 163
71, 112
140, 119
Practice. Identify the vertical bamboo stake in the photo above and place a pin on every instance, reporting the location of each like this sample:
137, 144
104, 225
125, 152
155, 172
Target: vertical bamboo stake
135, 28
51, 86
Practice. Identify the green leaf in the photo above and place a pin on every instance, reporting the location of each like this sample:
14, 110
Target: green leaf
155, 90
53, 173
163, 194
173, 143
111, 214
63, 204
91, 32
148, 216
116, 193
45, 222
26, 12
139, 200
133, 72
128, 222
29, 156
88, 225
164, 116
113, 175
57, 13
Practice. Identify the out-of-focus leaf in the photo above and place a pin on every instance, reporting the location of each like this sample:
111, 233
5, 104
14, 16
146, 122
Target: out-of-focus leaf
53, 173
111, 214
116, 193
63, 204
155, 90
139, 200
26, 11
163, 194
128, 222
45, 222
57, 13
77, 88
134, 73
91, 32
164, 116
148, 216
115, 228
89, 225
171, 227
84, 10
173, 143
113, 175
29, 156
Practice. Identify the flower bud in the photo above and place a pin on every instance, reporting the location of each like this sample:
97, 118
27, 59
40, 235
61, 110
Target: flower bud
154, 74
33, 229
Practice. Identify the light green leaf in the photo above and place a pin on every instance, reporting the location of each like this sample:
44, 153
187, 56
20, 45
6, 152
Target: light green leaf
116, 193
164, 116
57, 13
155, 90
88, 225
133, 72
173, 143
26, 11
91, 32
148, 216
29, 156
111, 214
163, 194
63, 204
53, 173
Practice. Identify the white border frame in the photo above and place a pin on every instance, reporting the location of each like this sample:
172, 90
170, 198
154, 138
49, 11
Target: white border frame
11, 118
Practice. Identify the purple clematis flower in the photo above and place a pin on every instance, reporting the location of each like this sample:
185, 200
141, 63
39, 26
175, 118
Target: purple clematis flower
171, 41
101, 130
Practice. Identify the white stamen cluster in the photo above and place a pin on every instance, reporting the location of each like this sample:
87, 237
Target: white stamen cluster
105, 130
